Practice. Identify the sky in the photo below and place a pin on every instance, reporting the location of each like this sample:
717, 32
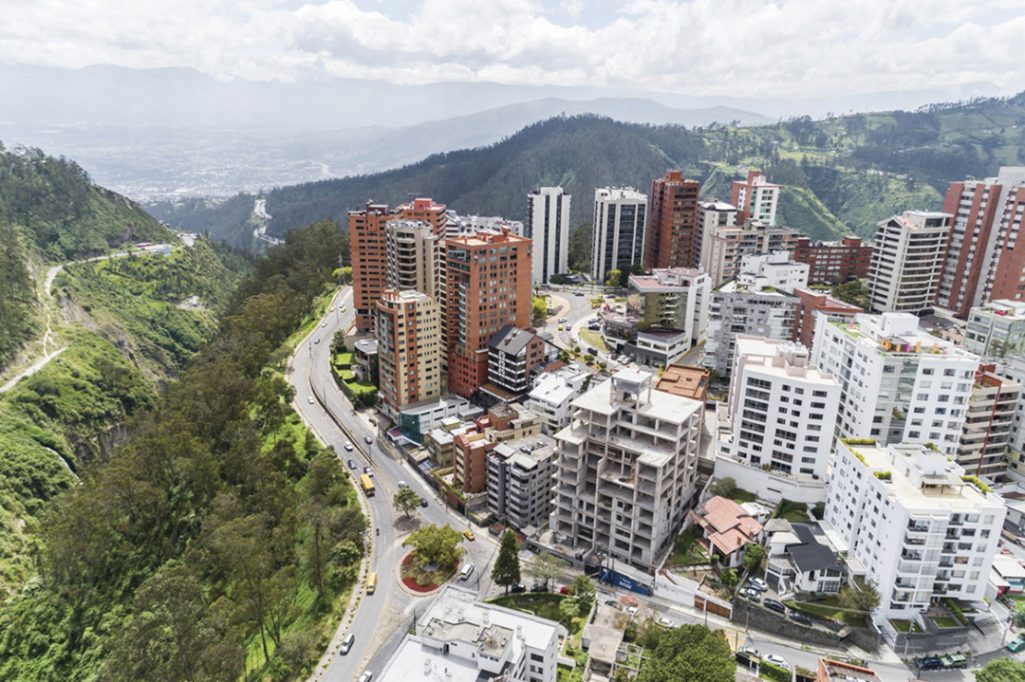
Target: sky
788, 48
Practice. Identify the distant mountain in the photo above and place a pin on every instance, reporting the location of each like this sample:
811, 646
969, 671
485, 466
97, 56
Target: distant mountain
846, 173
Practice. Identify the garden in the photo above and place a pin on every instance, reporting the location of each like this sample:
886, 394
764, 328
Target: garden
434, 558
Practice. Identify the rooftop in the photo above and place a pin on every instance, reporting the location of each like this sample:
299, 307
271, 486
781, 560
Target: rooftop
810, 554
686, 382
557, 387
779, 358
1011, 310
659, 405
896, 333
511, 339
846, 672
728, 526
526, 453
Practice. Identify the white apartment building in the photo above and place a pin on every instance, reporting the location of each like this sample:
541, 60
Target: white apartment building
548, 228
618, 236
728, 244
900, 383
907, 256
989, 424
997, 329
783, 412
472, 224
520, 481
756, 197
461, 639
552, 394
712, 215
672, 308
912, 526
413, 257
626, 468
756, 303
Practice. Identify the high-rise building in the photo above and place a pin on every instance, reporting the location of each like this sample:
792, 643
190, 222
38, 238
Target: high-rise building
756, 198
728, 245
783, 411
671, 235
900, 383
989, 423
412, 253
712, 215
548, 211
626, 469
986, 219
834, 262
488, 286
813, 303
408, 331
520, 481
907, 255
912, 526
369, 242
618, 235
672, 299
996, 330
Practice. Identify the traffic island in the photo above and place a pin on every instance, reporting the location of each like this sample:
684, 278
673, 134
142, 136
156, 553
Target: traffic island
423, 579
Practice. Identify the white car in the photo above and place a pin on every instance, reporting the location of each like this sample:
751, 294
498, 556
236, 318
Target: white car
316, 340
348, 446
758, 584
776, 660
665, 622
632, 611
310, 400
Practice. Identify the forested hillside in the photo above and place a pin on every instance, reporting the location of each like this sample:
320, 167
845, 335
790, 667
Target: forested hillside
845, 173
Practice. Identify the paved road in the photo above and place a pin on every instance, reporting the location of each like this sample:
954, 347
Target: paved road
333, 419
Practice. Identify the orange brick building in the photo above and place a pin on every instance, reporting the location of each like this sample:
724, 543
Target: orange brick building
487, 287
368, 239
671, 236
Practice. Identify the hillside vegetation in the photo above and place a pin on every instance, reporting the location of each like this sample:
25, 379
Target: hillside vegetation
219, 538
846, 173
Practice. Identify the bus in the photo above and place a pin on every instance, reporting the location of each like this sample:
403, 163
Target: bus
367, 484
371, 583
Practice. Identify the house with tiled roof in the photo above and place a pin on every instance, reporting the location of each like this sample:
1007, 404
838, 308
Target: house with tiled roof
727, 528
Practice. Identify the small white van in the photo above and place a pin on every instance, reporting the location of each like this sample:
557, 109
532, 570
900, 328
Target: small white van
467, 571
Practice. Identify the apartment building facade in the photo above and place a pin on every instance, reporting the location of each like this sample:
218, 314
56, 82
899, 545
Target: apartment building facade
811, 304
408, 331
618, 230
671, 235
834, 262
626, 468
672, 298
899, 383
412, 252
488, 286
548, 211
520, 481
552, 394
989, 424
729, 245
756, 198
515, 357
996, 330
907, 257
915, 528
712, 215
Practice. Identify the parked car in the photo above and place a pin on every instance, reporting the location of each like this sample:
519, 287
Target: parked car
309, 400
799, 617
423, 501
612, 602
750, 651
347, 644
352, 464
776, 660
538, 588
928, 663
665, 622
752, 594
517, 589
566, 589
366, 677
348, 446
758, 584
1016, 645
324, 323
316, 341
774, 605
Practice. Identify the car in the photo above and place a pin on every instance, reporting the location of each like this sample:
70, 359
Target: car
612, 602
799, 617
366, 677
539, 588
1016, 645
352, 464
423, 501
343, 308
347, 644
592, 351
632, 611
560, 328
324, 323
753, 595
468, 534
368, 440
758, 584
316, 340
368, 471
310, 400
566, 589
348, 446
564, 320
928, 663
665, 622
776, 660
750, 651
518, 589
578, 293
774, 605
403, 484
467, 571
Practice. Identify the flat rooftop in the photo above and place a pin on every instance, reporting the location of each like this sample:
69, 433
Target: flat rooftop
413, 661
685, 381
660, 405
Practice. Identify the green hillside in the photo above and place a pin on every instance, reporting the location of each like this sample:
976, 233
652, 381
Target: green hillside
850, 171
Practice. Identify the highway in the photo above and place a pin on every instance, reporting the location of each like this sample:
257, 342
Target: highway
379, 617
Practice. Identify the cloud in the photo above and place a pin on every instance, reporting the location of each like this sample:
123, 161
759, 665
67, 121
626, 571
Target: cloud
711, 47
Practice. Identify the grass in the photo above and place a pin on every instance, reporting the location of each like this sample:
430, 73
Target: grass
793, 511
827, 609
594, 339
904, 626
344, 360
741, 496
945, 621
687, 550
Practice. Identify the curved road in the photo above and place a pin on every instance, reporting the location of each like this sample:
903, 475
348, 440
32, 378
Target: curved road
382, 617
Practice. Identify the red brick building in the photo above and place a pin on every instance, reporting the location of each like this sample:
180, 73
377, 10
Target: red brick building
811, 302
834, 262
671, 235
487, 287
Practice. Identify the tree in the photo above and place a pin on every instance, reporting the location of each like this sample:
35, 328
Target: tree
753, 555
539, 308
436, 545
506, 571
689, 652
546, 568
853, 292
583, 590
1019, 615
862, 599
1003, 669
723, 487
614, 278
406, 500
729, 578
569, 609
345, 274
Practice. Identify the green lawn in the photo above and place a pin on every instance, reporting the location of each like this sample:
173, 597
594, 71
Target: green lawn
541, 604
828, 609
344, 360
904, 625
688, 551
595, 339
741, 496
945, 621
